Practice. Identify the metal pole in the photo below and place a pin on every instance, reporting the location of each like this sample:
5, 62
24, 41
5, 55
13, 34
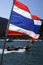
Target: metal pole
5, 38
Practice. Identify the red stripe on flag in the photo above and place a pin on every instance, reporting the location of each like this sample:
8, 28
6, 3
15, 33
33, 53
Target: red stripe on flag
21, 6
13, 33
35, 17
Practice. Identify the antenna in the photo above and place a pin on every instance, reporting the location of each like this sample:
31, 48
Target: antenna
5, 38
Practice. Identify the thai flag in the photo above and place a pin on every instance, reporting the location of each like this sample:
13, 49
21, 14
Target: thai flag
21, 21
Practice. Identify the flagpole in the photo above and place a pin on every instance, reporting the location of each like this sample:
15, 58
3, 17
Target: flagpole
1, 61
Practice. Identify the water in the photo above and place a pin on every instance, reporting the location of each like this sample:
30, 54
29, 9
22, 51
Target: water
34, 56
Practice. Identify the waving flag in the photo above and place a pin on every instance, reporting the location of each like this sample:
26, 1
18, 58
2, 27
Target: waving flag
21, 21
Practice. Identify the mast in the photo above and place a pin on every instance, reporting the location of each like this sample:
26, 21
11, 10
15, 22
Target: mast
1, 62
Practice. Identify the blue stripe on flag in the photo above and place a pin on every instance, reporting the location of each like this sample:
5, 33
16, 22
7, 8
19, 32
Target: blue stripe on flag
36, 29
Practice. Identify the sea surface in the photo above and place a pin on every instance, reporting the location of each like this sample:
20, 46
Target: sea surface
34, 56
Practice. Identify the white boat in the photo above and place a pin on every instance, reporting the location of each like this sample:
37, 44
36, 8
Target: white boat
7, 52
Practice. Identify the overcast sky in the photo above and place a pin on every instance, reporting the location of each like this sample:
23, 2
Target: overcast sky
35, 6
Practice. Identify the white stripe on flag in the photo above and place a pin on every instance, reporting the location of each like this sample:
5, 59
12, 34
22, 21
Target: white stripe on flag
18, 29
22, 12
37, 22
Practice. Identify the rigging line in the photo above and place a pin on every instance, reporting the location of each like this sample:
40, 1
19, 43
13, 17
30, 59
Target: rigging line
5, 37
